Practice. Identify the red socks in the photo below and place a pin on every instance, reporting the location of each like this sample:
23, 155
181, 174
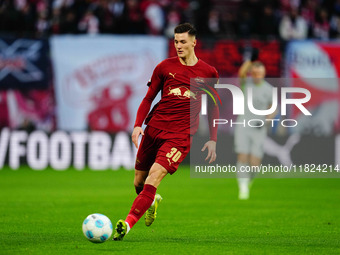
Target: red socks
142, 203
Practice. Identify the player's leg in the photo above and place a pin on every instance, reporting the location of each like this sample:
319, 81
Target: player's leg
254, 160
139, 180
242, 148
151, 213
145, 157
256, 152
142, 202
171, 152
170, 155
243, 177
146, 197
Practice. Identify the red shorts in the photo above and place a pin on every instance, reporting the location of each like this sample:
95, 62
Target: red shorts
162, 147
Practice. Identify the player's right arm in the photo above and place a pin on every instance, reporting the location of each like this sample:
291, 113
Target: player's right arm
243, 72
144, 108
245, 67
213, 113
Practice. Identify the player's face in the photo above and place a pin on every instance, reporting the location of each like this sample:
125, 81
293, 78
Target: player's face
184, 44
258, 73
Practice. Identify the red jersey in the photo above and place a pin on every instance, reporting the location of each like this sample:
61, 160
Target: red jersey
181, 87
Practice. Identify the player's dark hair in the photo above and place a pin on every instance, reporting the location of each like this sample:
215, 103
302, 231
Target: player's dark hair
185, 27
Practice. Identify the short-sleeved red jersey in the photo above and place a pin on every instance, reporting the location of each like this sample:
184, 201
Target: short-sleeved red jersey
180, 104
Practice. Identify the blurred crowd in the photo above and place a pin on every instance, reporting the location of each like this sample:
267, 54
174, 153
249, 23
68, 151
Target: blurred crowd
284, 19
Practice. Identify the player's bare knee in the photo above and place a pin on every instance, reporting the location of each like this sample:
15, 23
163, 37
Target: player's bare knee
138, 183
156, 174
140, 177
154, 178
243, 158
255, 161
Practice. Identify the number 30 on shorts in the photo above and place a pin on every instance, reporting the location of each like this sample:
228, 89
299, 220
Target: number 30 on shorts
174, 154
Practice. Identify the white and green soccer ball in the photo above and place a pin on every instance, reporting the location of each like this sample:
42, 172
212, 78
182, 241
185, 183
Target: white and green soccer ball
97, 228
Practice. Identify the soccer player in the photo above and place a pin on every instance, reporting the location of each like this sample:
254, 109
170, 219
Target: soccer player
170, 124
249, 140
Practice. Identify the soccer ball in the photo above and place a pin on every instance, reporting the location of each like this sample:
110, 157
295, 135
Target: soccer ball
97, 228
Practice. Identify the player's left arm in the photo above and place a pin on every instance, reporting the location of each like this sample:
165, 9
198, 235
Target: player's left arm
213, 113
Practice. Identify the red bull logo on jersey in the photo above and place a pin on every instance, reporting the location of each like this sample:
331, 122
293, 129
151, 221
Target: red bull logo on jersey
182, 93
189, 94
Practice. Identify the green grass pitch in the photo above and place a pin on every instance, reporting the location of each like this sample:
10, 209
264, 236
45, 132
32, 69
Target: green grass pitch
41, 212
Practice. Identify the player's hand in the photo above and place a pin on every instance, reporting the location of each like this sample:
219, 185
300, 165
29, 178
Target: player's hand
135, 135
211, 146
